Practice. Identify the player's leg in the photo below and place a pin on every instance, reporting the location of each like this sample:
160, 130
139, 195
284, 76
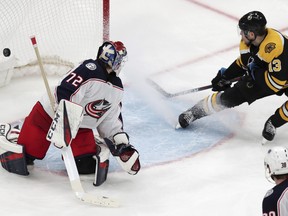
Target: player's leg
206, 106
243, 91
90, 156
32, 137
33, 133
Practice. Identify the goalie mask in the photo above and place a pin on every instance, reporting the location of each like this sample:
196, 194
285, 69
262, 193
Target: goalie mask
113, 54
276, 162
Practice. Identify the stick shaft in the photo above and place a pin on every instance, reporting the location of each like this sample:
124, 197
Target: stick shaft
193, 90
43, 74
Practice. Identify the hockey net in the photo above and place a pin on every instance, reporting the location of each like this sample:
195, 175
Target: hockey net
67, 32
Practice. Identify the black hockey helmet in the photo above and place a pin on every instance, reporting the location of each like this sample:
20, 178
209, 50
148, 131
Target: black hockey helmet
253, 21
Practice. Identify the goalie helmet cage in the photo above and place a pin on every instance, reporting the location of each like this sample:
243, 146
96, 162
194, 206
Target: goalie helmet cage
67, 31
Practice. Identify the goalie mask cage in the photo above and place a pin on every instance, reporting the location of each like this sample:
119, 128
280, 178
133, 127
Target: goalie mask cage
67, 32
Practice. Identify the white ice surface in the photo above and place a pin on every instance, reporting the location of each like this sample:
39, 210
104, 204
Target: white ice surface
214, 168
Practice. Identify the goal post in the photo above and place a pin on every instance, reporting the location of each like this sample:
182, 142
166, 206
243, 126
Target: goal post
67, 31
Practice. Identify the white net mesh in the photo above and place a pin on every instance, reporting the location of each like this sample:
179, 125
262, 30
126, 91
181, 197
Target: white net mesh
67, 32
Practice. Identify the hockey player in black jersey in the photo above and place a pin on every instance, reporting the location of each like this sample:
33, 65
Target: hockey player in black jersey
263, 68
275, 202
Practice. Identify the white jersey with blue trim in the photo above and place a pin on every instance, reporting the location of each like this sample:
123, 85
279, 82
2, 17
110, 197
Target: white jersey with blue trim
99, 93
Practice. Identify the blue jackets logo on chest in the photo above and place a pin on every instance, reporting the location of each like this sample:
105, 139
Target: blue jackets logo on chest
98, 108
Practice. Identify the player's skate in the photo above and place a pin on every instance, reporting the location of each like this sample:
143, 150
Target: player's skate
185, 119
193, 113
204, 107
268, 132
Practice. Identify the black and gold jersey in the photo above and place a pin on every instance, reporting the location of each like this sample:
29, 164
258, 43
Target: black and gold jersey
268, 65
271, 55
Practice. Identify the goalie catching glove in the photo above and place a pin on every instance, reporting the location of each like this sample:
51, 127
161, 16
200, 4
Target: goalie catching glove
125, 154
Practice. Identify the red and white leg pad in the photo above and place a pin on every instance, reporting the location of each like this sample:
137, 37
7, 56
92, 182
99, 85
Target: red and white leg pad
12, 155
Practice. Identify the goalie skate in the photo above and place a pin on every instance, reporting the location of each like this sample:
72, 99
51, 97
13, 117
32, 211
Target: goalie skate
269, 130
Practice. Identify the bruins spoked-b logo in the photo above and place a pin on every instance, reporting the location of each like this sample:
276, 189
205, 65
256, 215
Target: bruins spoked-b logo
97, 109
269, 47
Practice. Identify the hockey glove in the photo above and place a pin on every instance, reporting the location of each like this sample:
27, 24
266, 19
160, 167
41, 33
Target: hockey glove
220, 83
125, 154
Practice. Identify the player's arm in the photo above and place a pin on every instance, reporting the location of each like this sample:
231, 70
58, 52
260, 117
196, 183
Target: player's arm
117, 140
224, 76
272, 52
75, 83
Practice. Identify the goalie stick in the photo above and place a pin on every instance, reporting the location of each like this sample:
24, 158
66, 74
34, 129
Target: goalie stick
67, 136
193, 90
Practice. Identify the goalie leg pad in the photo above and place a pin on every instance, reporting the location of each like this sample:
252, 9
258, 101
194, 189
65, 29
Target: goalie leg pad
65, 124
101, 171
12, 156
102, 163
85, 164
14, 163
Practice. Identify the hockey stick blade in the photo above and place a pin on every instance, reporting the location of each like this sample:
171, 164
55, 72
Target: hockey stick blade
170, 95
97, 200
158, 88
77, 186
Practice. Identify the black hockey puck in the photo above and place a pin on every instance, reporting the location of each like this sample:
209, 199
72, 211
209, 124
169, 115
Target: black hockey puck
6, 52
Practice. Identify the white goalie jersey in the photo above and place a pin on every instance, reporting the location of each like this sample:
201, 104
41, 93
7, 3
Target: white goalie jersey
98, 92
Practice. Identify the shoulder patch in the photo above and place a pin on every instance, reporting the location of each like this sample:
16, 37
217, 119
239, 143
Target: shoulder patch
269, 47
269, 192
91, 66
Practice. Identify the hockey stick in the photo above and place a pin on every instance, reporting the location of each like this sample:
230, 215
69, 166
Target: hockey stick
170, 95
67, 152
